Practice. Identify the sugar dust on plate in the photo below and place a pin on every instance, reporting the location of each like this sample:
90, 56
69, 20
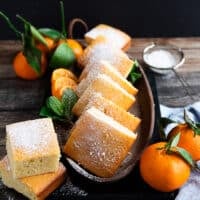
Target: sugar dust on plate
161, 59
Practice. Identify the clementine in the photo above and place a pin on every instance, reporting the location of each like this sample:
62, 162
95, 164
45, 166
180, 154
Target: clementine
61, 72
74, 45
24, 70
161, 170
188, 139
60, 84
51, 44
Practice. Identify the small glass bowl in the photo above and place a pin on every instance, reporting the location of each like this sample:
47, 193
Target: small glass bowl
175, 51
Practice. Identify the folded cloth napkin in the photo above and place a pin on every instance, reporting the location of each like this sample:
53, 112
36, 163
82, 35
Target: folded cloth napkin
190, 190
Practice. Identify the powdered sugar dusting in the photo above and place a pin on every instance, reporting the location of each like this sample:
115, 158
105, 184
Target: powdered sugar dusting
31, 136
113, 35
109, 89
104, 51
102, 137
109, 70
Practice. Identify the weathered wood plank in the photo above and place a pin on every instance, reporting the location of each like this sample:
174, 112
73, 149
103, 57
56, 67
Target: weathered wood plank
174, 92
17, 94
6, 71
185, 43
8, 50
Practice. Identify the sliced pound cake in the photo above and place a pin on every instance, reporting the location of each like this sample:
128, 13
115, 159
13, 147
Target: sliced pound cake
109, 70
32, 147
113, 35
34, 187
99, 143
113, 110
109, 89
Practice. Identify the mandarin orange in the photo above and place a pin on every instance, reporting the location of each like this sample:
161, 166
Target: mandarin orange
24, 70
163, 171
188, 140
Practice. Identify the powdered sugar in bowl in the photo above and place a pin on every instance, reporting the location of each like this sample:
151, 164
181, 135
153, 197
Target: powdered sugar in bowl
163, 58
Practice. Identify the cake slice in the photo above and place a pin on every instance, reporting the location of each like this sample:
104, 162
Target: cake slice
101, 50
34, 187
114, 36
111, 109
32, 147
108, 89
99, 143
109, 70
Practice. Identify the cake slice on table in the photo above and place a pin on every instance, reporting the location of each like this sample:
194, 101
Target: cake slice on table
108, 89
109, 70
101, 50
113, 110
36, 187
114, 36
32, 147
99, 143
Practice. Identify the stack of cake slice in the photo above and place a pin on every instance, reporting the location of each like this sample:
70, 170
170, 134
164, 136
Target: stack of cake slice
104, 134
32, 165
99, 50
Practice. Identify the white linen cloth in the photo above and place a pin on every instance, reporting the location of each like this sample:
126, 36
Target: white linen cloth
190, 190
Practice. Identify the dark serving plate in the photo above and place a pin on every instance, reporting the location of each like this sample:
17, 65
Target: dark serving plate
144, 108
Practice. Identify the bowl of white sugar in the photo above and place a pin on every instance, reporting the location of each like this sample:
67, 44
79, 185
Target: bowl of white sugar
163, 59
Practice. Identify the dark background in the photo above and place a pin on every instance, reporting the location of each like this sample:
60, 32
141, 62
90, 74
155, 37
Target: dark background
139, 18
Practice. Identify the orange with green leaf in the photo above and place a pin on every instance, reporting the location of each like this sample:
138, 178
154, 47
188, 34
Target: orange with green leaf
30, 63
190, 136
66, 50
165, 166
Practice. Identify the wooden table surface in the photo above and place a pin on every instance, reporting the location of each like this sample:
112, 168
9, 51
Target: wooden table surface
21, 100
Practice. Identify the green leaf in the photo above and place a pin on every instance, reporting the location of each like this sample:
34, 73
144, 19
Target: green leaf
11, 25
185, 155
55, 106
32, 54
163, 123
175, 140
46, 112
172, 142
36, 34
194, 126
51, 33
166, 121
136, 64
69, 98
134, 74
162, 132
64, 34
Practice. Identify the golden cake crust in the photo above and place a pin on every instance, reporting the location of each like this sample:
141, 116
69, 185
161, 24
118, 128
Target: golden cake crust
99, 143
109, 89
109, 70
111, 109
37, 187
113, 35
101, 50
32, 147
